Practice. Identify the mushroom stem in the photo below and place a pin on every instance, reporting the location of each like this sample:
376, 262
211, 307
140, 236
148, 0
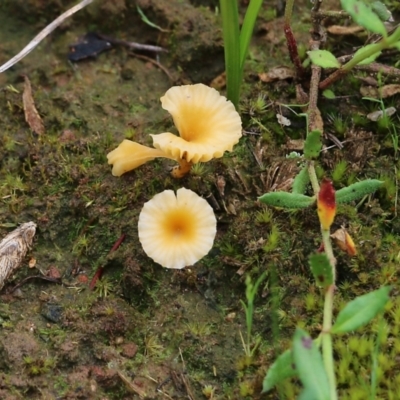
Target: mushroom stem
182, 169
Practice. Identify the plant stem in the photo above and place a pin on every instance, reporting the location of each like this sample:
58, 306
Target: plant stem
327, 348
373, 49
290, 39
313, 177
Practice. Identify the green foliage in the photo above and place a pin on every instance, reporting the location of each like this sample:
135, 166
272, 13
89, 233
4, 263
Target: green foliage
323, 58
287, 200
357, 190
364, 16
361, 310
321, 269
281, 369
251, 291
310, 367
339, 171
367, 60
273, 239
236, 43
301, 181
312, 145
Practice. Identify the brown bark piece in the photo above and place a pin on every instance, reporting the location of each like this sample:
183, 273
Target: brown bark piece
32, 116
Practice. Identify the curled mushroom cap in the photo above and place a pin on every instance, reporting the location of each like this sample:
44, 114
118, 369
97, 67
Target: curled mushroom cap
130, 155
207, 122
177, 230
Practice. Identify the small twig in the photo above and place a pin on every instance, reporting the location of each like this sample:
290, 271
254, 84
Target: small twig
45, 32
293, 51
132, 386
28, 278
133, 45
155, 63
377, 67
100, 270
291, 41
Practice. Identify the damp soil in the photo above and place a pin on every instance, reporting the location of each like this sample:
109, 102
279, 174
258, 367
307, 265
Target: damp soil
144, 331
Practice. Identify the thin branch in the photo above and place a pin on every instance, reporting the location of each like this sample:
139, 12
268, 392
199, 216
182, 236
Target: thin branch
45, 32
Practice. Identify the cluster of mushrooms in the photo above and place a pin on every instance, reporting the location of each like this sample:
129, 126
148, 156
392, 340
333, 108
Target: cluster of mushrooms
178, 230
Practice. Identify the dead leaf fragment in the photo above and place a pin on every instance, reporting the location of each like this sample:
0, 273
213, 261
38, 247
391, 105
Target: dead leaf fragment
277, 74
344, 241
32, 116
376, 115
344, 30
383, 92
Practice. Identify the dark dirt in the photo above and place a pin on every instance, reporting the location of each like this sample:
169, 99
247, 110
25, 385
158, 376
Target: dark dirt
147, 332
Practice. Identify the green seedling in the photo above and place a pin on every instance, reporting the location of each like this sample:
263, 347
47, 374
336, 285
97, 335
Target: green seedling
312, 360
251, 291
369, 18
236, 43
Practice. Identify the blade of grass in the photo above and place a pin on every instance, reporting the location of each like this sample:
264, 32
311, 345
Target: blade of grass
247, 29
231, 37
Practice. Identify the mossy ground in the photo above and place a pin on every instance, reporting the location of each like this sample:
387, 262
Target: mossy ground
176, 333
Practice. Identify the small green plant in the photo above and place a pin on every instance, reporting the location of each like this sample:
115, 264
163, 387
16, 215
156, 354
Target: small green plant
104, 287
369, 17
236, 43
307, 354
251, 291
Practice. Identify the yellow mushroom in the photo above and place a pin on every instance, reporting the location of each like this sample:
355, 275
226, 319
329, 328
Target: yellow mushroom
208, 125
177, 230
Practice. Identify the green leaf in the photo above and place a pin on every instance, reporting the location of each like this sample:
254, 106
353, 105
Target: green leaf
369, 59
361, 310
363, 15
246, 32
310, 367
323, 58
312, 145
357, 190
287, 200
321, 269
147, 21
301, 181
328, 94
381, 11
280, 370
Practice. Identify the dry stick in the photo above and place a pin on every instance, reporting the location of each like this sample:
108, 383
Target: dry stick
155, 63
291, 41
133, 45
45, 32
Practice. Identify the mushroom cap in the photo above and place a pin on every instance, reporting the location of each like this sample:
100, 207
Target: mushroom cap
207, 122
177, 230
130, 155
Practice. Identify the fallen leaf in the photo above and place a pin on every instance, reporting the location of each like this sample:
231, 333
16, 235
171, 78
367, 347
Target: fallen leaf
382, 92
344, 241
32, 116
32, 262
376, 115
277, 74
344, 30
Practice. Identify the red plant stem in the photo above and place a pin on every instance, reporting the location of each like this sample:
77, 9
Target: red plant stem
100, 270
293, 52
